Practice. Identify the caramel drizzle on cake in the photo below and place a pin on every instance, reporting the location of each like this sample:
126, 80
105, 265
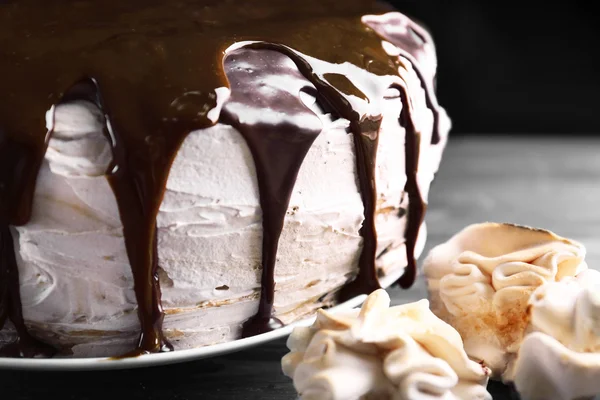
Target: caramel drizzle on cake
152, 67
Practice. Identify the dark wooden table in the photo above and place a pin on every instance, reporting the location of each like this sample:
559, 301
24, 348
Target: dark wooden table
553, 183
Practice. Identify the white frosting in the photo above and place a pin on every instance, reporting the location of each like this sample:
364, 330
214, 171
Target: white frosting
560, 359
480, 282
76, 283
402, 353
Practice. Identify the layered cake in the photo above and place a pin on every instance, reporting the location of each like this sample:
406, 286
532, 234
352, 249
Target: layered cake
176, 174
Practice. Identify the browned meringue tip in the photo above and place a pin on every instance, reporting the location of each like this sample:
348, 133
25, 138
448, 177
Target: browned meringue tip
481, 279
493, 239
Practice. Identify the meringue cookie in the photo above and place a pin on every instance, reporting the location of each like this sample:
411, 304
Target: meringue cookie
560, 358
480, 282
402, 353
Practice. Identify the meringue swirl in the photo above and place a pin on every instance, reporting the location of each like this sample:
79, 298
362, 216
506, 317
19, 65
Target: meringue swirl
560, 358
569, 311
480, 282
402, 352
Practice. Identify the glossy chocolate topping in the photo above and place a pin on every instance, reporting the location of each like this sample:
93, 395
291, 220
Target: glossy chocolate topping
152, 67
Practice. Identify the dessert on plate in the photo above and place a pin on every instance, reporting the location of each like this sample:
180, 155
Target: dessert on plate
179, 174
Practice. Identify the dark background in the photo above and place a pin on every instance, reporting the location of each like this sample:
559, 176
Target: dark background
515, 67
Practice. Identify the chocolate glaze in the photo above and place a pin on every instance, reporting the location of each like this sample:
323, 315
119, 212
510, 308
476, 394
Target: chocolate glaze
366, 134
138, 216
366, 138
152, 67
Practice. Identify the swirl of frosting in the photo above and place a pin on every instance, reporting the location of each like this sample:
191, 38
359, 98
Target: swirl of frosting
560, 357
401, 353
480, 282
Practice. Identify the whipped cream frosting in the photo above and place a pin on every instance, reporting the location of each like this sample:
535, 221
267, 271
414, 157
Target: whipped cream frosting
480, 282
403, 352
559, 358
76, 282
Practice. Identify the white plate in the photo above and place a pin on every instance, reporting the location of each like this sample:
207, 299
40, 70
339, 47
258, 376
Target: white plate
152, 360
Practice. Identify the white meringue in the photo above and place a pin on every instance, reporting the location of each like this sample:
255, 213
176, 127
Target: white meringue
401, 353
480, 282
560, 359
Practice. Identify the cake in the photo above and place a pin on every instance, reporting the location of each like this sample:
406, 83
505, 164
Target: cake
180, 174
525, 304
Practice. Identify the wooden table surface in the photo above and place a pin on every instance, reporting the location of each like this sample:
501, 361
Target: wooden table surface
552, 183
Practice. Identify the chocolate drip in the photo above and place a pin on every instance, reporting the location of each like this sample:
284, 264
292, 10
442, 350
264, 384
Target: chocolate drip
10, 304
152, 67
416, 205
411, 43
366, 138
278, 148
136, 195
139, 230
429, 99
365, 133
19, 164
